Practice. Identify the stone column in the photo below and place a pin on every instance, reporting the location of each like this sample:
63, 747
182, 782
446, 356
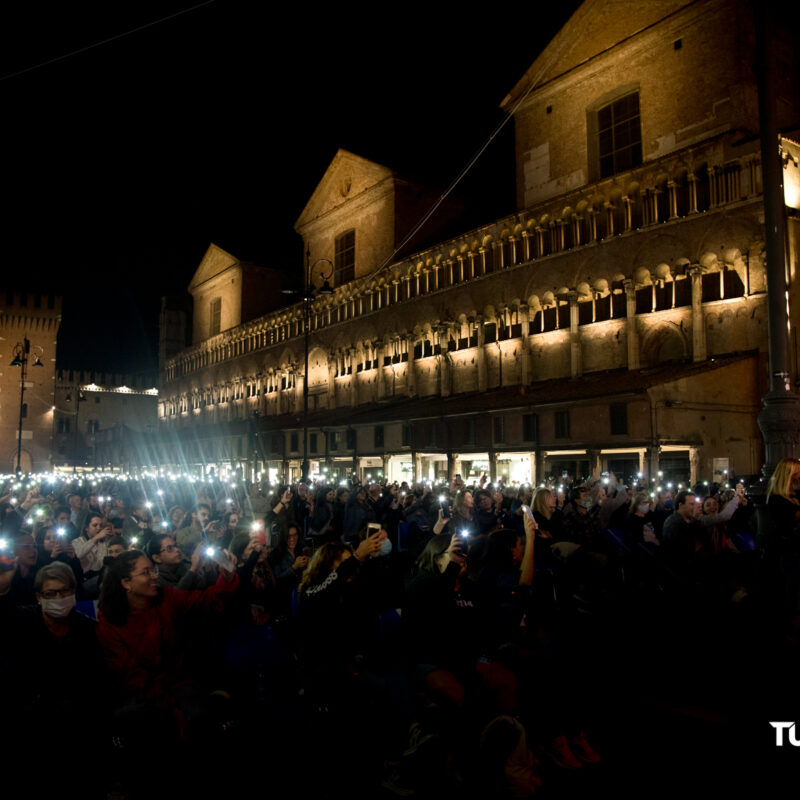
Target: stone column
492, 465
411, 378
380, 350
353, 387
595, 463
631, 334
698, 321
332, 380
651, 465
451, 465
525, 355
576, 367
298, 390
481, 359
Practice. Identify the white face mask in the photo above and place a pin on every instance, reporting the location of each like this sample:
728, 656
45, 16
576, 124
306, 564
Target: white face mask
58, 607
386, 547
644, 508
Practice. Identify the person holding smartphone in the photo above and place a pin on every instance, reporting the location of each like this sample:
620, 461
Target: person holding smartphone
91, 546
143, 633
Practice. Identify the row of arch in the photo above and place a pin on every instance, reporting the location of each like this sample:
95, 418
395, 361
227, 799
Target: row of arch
661, 193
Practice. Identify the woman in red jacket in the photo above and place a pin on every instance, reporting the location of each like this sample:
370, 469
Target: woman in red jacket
140, 627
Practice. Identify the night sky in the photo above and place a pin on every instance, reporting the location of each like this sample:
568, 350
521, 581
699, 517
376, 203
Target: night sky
124, 161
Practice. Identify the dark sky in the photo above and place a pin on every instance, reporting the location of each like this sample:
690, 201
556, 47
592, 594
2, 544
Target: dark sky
124, 161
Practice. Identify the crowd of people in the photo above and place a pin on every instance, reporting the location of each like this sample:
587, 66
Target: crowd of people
421, 625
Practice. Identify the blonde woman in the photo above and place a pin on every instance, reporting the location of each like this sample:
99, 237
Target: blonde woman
782, 501
783, 508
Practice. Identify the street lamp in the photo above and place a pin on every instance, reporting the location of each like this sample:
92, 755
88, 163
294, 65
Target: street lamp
21, 357
308, 290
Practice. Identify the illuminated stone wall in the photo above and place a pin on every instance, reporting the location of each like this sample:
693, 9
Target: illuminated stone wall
594, 282
37, 317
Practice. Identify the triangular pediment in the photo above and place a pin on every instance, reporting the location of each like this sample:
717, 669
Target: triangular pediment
215, 260
594, 28
347, 177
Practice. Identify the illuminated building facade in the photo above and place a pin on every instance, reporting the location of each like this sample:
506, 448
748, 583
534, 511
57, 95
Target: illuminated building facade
104, 421
616, 321
35, 317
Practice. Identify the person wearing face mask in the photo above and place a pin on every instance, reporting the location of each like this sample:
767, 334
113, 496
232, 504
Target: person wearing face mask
639, 526
50, 649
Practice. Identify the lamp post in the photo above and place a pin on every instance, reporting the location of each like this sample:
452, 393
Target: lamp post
308, 291
21, 357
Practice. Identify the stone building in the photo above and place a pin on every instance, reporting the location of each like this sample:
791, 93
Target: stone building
36, 318
104, 421
616, 321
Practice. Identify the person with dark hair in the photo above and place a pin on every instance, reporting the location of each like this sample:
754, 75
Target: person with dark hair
54, 546
464, 518
280, 513
228, 528
331, 612
287, 559
358, 513
256, 598
26, 553
322, 527
175, 517
188, 537
140, 631
169, 560
91, 546
339, 507
62, 519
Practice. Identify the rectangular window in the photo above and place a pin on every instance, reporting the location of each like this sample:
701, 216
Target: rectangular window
333, 442
619, 136
312, 442
215, 316
275, 443
618, 413
562, 425
530, 427
378, 436
294, 442
351, 439
406, 434
345, 258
